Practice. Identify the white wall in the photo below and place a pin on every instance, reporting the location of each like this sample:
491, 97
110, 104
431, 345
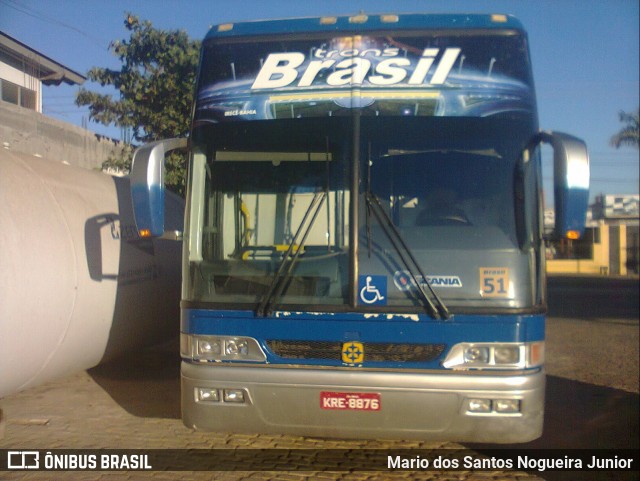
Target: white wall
22, 79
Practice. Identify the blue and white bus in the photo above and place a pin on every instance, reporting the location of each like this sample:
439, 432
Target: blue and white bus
363, 248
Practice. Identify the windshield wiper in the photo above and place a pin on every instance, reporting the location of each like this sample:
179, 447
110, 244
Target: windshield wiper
435, 308
282, 275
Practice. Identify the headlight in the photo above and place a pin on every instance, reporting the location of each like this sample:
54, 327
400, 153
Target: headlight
507, 354
236, 347
517, 355
220, 348
475, 354
207, 347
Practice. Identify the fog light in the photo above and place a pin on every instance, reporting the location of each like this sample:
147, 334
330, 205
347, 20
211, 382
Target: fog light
204, 394
480, 405
477, 354
506, 405
507, 354
234, 395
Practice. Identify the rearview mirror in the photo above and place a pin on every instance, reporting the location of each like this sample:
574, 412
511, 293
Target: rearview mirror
570, 181
147, 185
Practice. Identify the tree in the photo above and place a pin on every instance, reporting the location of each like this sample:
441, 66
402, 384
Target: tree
629, 134
155, 86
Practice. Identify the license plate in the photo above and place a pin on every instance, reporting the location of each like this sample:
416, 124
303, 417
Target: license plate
350, 401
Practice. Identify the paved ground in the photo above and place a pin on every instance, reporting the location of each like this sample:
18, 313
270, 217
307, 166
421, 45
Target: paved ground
135, 404
592, 401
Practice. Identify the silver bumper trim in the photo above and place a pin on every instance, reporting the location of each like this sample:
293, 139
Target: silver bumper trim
413, 405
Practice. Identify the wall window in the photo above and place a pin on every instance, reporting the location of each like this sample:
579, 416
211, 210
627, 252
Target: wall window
10, 92
27, 99
18, 95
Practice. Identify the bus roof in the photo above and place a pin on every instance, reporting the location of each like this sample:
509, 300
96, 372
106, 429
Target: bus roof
365, 23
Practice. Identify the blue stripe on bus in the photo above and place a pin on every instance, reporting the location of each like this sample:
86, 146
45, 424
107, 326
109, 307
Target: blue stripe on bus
366, 328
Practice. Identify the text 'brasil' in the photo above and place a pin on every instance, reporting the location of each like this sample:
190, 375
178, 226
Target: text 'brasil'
350, 67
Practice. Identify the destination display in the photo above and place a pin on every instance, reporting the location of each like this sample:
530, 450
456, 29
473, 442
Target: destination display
383, 76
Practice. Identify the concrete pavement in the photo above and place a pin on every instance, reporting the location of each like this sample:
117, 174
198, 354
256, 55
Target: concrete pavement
134, 403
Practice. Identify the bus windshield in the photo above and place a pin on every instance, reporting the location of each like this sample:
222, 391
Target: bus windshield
451, 198
271, 187
275, 186
280, 126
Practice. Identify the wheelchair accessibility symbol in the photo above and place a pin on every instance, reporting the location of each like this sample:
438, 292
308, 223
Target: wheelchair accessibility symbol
373, 290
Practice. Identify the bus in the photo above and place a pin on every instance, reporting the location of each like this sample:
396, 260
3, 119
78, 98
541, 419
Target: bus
363, 241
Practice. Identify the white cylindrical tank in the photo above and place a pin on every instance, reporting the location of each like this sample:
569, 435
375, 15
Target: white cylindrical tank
77, 284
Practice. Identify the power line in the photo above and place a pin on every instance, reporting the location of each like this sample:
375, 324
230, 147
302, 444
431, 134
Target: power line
64, 96
614, 162
616, 181
601, 179
45, 18
614, 152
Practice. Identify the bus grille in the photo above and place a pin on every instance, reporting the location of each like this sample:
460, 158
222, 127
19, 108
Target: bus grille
380, 352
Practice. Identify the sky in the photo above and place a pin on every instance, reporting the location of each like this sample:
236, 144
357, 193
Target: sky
584, 53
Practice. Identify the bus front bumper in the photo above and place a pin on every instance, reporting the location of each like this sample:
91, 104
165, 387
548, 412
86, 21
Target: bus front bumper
452, 406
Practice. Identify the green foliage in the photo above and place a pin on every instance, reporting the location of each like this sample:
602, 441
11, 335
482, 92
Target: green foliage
119, 161
630, 133
155, 85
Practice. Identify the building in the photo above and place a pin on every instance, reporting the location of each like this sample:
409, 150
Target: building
23, 128
610, 245
23, 71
